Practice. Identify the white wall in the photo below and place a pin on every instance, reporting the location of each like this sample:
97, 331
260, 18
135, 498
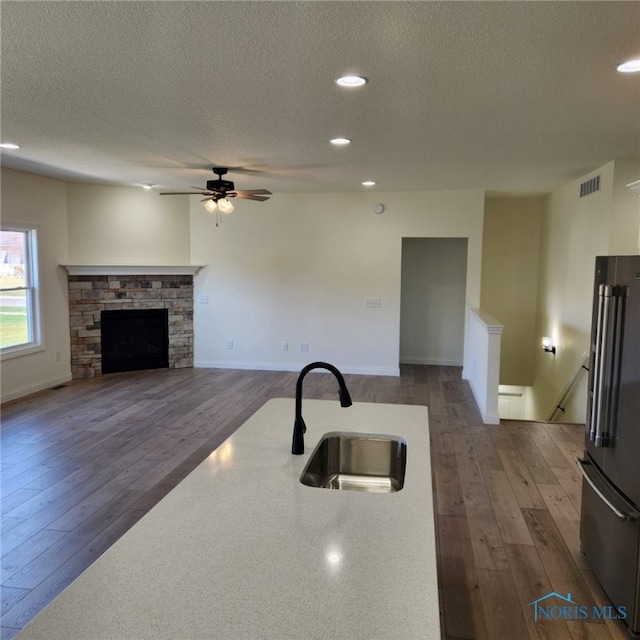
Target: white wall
126, 225
484, 363
432, 305
42, 202
83, 224
624, 237
299, 267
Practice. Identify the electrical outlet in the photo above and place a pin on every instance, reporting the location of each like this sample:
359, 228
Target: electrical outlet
203, 299
229, 344
373, 303
304, 346
285, 346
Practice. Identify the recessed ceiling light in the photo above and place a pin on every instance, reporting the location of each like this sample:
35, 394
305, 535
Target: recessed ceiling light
351, 81
340, 141
369, 183
9, 145
147, 186
631, 66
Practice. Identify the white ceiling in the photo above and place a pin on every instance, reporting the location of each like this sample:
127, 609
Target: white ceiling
514, 97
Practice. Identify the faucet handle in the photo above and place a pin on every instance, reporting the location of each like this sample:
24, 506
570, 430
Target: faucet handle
297, 444
345, 397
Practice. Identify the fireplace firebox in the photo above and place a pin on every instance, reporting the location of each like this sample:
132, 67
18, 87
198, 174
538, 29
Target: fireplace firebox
134, 339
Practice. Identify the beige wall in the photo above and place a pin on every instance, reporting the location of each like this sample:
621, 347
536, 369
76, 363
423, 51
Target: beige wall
126, 225
574, 231
42, 202
510, 260
299, 267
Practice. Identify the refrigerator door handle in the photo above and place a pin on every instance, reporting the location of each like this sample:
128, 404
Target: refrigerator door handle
599, 372
619, 514
595, 367
618, 304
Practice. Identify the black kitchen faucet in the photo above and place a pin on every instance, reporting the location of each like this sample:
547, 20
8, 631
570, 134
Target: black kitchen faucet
299, 427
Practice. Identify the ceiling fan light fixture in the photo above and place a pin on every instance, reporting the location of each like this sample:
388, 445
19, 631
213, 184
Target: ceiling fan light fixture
631, 66
210, 205
225, 206
351, 81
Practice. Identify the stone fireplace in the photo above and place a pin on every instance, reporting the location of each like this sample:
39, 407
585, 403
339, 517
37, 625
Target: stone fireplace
93, 289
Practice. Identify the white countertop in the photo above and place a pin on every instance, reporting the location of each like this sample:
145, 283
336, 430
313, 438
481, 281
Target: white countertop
241, 550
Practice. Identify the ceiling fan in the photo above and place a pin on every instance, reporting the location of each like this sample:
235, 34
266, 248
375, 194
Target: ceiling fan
218, 191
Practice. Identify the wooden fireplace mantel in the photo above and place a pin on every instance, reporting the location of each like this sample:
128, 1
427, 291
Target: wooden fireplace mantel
131, 269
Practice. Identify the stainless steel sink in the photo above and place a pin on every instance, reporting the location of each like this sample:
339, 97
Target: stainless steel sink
357, 462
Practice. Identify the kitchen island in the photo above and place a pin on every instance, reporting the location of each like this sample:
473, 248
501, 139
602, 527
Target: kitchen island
241, 550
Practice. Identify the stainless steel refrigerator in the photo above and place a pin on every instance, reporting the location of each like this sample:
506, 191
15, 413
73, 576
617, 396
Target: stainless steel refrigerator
610, 517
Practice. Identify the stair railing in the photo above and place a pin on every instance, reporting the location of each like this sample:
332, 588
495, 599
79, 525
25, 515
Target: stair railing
559, 405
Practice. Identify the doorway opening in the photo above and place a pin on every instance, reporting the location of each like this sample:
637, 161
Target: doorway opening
433, 301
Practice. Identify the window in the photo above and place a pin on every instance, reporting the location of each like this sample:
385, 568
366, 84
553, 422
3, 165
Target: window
19, 312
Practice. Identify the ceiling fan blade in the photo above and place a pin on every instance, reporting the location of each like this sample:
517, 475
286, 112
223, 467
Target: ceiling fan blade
250, 196
184, 193
255, 192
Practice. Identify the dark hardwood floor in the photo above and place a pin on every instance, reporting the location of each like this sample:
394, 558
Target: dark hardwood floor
83, 463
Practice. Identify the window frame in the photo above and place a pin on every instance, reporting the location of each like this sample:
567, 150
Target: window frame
32, 293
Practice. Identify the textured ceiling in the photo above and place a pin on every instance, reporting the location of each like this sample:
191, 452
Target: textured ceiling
514, 97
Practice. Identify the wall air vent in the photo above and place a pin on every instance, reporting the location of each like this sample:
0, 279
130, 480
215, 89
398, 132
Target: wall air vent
590, 186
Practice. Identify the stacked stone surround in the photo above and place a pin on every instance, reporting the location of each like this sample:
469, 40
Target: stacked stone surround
91, 294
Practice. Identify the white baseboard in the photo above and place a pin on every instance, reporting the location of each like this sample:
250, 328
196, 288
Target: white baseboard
286, 366
491, 418
438, 362
41, 385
